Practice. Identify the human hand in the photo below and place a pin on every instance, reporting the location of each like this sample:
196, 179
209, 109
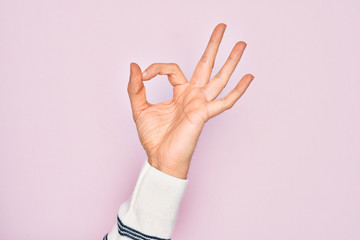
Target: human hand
169, 131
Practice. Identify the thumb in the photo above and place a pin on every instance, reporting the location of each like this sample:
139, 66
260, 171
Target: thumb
136, 89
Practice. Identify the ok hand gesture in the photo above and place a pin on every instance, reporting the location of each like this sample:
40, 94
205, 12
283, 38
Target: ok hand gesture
169, 131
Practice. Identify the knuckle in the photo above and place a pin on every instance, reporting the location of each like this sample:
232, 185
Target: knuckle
130, 91
213, 40
223, 102
175, 65
204, 59
233, 59
219, 76
227, 104
232, 103
153, 65
174, 68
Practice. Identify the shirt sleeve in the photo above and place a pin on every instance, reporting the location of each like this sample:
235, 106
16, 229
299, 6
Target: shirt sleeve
152, 210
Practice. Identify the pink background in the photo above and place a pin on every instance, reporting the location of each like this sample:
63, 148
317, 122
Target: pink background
282, 164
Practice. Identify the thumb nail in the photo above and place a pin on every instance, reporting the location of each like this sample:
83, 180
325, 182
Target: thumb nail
145, 73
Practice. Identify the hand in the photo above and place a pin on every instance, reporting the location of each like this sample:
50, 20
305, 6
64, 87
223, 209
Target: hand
169, 131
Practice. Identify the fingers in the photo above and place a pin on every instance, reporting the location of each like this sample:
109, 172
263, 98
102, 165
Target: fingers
217, 84
136, 90
219, 105
175, 75
203, 69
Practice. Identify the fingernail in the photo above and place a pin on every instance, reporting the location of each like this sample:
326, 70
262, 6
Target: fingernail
145, 73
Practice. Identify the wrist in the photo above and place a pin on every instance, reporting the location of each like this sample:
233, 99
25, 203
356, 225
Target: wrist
178, 170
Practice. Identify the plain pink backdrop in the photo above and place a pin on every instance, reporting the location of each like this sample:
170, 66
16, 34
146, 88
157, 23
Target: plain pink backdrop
282, 164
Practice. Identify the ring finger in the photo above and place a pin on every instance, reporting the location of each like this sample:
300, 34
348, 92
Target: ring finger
219, 81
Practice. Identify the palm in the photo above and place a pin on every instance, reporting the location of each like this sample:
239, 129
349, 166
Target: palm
169, 130
173, 123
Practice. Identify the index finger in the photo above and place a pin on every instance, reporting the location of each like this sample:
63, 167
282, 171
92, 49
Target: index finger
203, 69
175, 75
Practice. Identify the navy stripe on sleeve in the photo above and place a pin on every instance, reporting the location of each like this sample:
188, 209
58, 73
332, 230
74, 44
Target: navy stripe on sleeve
134, 234
105, 237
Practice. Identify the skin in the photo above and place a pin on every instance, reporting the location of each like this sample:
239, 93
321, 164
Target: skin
169, 131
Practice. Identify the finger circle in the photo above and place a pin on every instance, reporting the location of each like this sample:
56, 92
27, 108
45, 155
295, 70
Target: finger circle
175, 75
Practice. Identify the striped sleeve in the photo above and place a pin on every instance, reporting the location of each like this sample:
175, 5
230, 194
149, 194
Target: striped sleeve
151, 212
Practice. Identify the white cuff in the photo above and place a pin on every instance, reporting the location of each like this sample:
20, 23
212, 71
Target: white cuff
152, 210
